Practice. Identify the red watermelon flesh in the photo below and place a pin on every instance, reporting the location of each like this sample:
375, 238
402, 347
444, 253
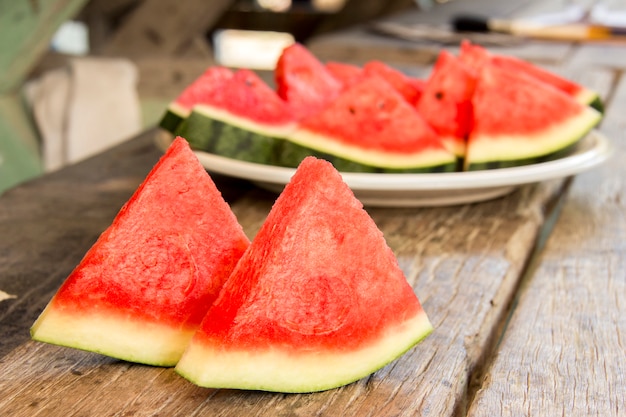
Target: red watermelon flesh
203, 87
247, 96
477, 56
531, 118
347, 74
410, 88
143, 288
303, 81
446, 103
317, 301
199, 91
373, 115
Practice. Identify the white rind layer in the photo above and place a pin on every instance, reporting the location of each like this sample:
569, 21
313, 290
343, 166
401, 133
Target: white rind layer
487, 148
279, 131
378, 158
179, 110
288, 370
115, 336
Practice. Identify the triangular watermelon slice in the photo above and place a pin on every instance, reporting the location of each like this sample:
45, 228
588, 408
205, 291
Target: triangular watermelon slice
476, 55
347, 74
370, 126
409, 87
303, 81
201, 90
242, 119
446, 103
520, 120
317, 301
143, 288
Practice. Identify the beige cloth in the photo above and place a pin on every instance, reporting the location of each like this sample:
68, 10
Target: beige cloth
85, 108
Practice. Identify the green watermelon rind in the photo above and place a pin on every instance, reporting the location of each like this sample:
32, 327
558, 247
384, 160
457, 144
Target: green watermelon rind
174, 115
288, 371
303, 140
590, 98
501, 151
219, 132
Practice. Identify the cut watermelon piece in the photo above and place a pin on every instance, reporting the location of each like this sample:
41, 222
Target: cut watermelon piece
243, 119
477, 56
143, 288
446, 103
369, 128
347, 74
520, 120
201, 90
410, 88
304, 82
317, 301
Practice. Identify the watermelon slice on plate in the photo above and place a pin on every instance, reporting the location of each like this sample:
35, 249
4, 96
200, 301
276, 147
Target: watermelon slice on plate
201, 90
303, 81
520, 120
370, 127
143, 288
243, 119
446, 102
317, 301
410, 88
477, 56
347, 74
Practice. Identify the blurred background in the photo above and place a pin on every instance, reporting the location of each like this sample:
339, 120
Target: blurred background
79, 76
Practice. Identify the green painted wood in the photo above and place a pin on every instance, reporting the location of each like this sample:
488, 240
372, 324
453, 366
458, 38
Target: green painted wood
26, 28
19, 151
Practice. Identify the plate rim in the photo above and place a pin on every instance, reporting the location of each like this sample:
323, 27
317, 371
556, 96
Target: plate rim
596, 150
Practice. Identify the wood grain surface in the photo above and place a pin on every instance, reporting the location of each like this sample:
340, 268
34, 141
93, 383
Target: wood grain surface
563, 352
464, 264
514, 334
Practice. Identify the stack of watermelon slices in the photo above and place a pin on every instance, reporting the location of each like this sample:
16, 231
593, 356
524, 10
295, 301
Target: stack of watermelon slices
317, 300
477, 110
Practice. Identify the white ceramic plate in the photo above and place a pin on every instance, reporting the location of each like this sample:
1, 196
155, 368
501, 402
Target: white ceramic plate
415, 190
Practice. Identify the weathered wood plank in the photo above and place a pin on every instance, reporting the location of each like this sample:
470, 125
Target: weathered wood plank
162, 27
360, 44
563, 351
464, 263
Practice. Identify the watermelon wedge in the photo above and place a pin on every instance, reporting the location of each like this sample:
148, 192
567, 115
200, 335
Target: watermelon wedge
199, 91
410, 88
477, 56
370, 127
143, 288
347, 74
446, 102
303, 81
316, 302
520, 120
242, 119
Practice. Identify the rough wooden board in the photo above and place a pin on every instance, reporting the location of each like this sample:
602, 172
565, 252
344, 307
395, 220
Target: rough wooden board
563, 351
26, 28
601, 55
167, 78
162, 27
360, 44
464, 263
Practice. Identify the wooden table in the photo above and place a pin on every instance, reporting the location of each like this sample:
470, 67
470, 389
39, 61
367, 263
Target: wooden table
526, 292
